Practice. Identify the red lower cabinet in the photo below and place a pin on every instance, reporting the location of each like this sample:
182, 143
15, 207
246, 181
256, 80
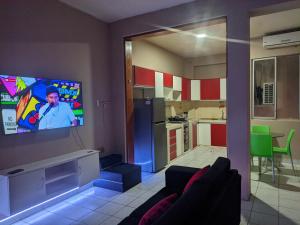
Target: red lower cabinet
173, 154
218, 135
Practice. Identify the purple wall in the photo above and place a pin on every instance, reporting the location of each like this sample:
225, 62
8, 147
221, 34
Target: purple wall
49, 39
238, 58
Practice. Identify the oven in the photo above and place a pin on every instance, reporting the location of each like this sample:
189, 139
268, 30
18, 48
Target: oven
185, 123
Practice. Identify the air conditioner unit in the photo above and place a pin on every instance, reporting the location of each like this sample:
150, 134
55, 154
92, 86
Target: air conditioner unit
281, 40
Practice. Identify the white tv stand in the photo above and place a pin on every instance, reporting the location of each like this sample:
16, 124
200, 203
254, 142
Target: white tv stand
28, 185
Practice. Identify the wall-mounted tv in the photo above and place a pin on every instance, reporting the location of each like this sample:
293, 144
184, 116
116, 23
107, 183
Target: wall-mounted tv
30, 104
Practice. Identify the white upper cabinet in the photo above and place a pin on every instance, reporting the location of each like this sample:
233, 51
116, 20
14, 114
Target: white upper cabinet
176, 83
195, 89
159, 85
223, 88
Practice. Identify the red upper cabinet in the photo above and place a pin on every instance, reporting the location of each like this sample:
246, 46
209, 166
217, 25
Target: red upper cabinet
218, 134
144, 77
186, 89
168, 80
210, 89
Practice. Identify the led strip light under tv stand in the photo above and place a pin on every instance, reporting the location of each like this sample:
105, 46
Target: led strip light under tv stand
33, 185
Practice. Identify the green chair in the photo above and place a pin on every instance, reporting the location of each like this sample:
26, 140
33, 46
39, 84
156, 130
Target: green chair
261, 146
287, 149
262, 129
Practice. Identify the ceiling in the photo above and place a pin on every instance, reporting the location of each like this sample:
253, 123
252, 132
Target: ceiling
188, 45
113, 10
185, 44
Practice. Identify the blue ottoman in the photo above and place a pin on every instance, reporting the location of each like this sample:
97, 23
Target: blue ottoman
118, 177
110, 160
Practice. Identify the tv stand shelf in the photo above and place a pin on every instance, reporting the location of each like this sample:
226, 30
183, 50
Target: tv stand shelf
28, 185
60, 172
60, 177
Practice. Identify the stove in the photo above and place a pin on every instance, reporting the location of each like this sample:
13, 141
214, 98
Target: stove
178, 119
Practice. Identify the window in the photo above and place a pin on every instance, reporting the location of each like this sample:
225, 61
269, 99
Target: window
264, 88
275, 90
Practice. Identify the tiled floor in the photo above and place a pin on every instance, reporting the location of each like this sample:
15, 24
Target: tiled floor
271, 203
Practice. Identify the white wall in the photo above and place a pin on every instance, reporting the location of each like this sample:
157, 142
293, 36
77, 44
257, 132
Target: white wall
147, 55
206, 66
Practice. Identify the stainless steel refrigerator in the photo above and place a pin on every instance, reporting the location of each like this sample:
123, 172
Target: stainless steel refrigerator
150, 134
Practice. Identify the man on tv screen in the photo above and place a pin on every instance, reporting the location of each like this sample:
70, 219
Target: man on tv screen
55, 114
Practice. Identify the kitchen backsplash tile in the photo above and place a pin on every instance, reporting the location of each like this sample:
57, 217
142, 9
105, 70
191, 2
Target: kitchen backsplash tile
196, 110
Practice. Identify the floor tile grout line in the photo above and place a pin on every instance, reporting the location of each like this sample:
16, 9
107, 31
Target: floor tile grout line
278, 214
252, 203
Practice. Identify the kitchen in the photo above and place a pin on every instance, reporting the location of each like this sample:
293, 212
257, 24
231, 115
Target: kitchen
189, 73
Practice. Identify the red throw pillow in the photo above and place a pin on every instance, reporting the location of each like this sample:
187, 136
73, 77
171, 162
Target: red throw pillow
195, 177
157, 210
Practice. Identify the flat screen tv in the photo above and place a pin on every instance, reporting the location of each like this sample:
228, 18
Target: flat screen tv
30, 104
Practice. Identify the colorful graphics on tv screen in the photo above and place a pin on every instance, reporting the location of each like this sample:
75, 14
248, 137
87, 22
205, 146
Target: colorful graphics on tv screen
30, 104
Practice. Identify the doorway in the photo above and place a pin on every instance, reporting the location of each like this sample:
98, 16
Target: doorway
186, 67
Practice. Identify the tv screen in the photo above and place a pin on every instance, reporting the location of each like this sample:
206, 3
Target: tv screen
30, 104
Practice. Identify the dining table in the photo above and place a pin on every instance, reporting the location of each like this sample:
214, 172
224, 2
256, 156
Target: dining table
277, 135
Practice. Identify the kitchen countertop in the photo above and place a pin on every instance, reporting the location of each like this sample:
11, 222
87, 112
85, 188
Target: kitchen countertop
174, 125
211, 121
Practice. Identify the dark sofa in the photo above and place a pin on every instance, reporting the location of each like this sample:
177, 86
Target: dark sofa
215, 199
